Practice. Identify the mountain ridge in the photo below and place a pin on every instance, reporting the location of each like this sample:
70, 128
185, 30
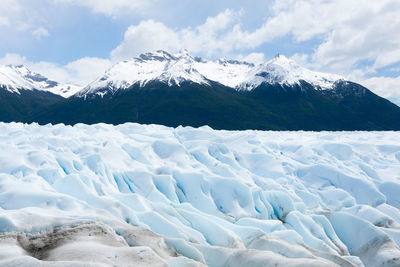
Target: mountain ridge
18, 77
268, 107
175, 68
173, 90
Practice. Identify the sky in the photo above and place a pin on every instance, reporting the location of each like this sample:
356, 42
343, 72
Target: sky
75, 41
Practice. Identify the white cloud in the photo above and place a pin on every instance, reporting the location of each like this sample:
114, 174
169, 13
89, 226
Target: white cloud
10, 6
147, 36
207, 39
79, 72
301, 59
40, 32
22, 16
256, 58
351, 31
4, 21
113, 8
9, 9
86, 69
348, 32
385, 86
395, 69
15, 59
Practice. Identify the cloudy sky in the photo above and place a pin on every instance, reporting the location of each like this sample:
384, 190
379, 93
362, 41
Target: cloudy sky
74, 41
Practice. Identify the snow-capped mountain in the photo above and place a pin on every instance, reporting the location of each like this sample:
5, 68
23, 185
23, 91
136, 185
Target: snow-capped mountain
14, 78
279, 70
283, 70
179, 89
160, 66
174, 69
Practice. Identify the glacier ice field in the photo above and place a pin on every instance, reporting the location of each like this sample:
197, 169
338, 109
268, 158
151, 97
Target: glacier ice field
149, 195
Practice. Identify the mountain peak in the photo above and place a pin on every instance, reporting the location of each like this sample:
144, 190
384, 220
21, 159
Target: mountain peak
159, 55
284, 70
282, 60
17, 68
173, 69
160, 65
14, 78
184, 52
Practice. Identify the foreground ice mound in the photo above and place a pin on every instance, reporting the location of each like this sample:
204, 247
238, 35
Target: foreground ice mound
150, 195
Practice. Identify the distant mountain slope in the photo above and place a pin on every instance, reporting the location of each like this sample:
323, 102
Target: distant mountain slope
14, 78
23, 93
171, 69
20, 106
180, 89
276, 107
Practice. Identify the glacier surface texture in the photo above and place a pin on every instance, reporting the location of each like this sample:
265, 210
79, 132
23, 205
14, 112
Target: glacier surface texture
148, 195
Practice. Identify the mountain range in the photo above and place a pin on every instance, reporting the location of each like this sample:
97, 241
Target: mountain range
179, 89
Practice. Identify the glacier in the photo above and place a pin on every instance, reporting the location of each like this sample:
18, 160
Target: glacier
150, 195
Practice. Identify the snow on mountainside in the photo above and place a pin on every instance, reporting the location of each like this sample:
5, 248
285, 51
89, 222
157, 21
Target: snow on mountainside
174, 69
160, 66
246, 76
64, 90
17, 77
81, 195
283, 70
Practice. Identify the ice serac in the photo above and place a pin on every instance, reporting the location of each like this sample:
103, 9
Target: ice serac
14, 78
101, 194
174, 69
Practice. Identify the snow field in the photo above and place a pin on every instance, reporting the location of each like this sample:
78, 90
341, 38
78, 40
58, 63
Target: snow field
217, 198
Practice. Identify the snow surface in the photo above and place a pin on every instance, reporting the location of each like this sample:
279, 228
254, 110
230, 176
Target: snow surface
17, 77
175, 69
142, 195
